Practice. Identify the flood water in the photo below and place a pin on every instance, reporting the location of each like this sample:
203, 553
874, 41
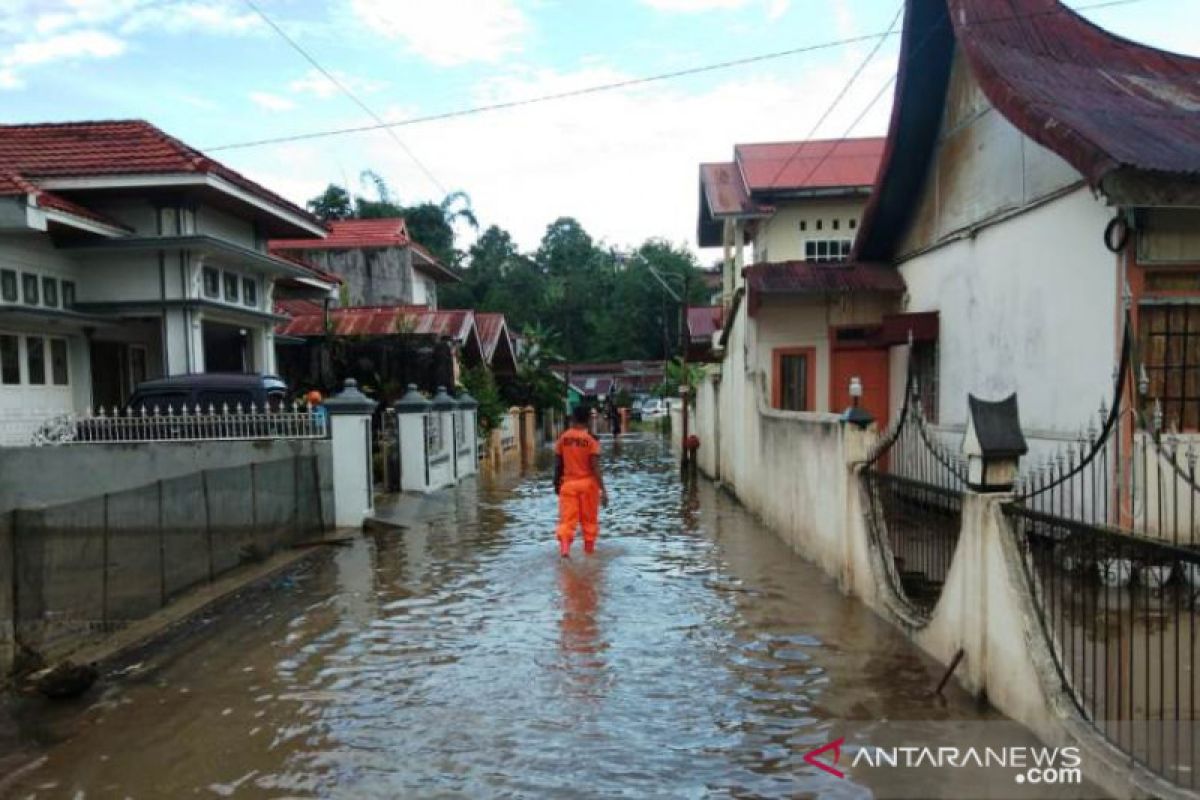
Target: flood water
694, 655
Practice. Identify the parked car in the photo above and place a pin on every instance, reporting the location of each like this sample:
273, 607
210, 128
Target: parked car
166, 408
216, 390
654, 408
635, 409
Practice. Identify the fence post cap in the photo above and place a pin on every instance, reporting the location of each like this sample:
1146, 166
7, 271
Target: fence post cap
350, 400
442, 401
413, 402
466, 401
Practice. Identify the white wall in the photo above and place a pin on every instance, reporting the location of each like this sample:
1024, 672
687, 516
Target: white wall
779, 237
222, 225
1028, 305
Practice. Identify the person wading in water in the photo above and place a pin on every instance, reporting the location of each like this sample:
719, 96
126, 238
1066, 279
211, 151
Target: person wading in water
578, 483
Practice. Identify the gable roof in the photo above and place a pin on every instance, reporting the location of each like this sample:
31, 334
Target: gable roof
1117, 111
703, 322
308, 319
354, 234
58, 152
764, 172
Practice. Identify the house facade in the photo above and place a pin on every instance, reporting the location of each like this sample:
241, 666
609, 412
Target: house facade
1041, 178
377, 261
810, 316
127, 255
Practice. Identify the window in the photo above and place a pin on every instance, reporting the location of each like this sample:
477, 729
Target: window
50, 292
794, 378
853, 223
219, 400
819, 224
29, 288
837, 223
59, 371
35, 359
231, 288
803, 225
68, 294
10, 360
1170, 343
8, 285
250, 292
827, 249
925, 371
212, 283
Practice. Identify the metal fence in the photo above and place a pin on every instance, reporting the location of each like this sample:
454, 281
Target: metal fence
97, 564
914, 486
182, 425
1108, 532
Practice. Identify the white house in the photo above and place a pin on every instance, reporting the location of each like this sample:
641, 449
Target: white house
811, 317
1039, 174
127, 255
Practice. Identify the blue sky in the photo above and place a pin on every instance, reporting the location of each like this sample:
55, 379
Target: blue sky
212, 73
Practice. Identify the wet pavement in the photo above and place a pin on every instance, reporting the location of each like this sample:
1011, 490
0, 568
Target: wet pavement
694, 655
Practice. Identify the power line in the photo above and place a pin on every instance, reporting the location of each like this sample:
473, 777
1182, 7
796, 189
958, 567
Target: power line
910, 56
383, 124
841, 94
630, 82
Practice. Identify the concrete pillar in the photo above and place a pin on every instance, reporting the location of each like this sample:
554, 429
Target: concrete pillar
528, 434
350, 433
441, 449
412, 411
468, 432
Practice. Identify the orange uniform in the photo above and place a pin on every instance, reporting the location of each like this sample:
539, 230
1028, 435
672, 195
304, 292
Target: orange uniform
579, 494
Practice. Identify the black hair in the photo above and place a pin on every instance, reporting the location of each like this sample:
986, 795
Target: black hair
582, 415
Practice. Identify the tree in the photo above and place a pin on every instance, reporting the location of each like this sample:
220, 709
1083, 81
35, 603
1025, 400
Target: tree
332, 204
536, 384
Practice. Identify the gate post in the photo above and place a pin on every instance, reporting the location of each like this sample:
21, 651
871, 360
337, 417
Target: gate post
411, 411
350, 440
468, 454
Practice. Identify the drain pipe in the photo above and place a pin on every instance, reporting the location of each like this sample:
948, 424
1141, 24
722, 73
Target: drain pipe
949, 671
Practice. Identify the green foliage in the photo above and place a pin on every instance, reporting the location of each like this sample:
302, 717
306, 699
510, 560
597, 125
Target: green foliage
333, 203
480, 382
679, 374
536, 384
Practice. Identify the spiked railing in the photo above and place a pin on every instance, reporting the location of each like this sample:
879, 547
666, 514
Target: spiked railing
157, 424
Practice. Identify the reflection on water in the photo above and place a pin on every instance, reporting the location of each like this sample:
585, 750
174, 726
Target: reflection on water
693, 655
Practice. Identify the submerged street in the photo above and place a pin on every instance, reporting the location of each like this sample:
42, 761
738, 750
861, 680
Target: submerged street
693, 655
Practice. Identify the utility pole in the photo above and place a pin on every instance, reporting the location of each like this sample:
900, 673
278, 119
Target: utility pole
685, 455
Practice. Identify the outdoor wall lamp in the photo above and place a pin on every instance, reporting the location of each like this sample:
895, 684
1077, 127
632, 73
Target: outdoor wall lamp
856, 415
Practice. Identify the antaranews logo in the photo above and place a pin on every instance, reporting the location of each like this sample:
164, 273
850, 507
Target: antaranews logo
1031, 764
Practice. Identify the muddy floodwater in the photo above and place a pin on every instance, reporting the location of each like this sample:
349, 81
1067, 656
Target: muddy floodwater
694, 655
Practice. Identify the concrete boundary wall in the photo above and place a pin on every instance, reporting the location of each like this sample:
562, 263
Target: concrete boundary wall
800, 473
32, 477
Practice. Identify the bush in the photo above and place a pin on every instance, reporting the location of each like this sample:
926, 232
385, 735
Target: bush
480, 382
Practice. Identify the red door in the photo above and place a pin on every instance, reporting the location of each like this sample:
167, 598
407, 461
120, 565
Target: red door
869, 365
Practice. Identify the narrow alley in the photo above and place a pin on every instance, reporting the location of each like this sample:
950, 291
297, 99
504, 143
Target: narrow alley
693, 655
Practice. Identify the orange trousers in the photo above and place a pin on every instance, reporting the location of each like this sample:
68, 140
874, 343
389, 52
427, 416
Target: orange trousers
578, 506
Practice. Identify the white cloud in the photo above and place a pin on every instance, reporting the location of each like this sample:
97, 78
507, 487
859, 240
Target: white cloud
624, 162
316, 84
448, 32
271, 102
81, 44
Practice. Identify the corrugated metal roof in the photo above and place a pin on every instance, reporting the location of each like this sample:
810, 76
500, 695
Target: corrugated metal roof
812, 277
814, 164
703, 322
379, 321
1099, 101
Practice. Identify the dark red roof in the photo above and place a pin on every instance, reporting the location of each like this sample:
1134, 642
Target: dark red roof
815, 164
346, 234
491, 328
1104, 104
113, 147
378, 321
703, 321
13, 184
814, 277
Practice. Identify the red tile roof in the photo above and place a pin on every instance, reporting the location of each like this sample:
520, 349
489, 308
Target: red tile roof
113, 147
13, 184
377, 321
703, 321
815, 164
347, 234
813, 277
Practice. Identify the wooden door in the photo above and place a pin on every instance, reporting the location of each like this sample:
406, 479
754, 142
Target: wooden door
870, 365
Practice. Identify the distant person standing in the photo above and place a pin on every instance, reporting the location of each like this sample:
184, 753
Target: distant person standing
578, 483
614, 418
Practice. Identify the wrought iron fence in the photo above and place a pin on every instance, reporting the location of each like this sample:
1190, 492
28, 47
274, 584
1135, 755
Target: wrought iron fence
914, 487
181, 425
1108, 529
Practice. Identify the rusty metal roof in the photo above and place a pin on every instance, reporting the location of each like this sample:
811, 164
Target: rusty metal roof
813, 164
703, 322
1109, 107
815, 277
377, 321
